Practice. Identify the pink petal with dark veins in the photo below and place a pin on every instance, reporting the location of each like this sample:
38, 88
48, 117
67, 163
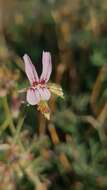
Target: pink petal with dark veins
30, 70
33, 96
44, 93
47, 66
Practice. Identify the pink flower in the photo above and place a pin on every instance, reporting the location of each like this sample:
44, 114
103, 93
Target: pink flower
38, 90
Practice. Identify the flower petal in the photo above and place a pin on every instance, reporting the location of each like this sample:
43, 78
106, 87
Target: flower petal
44, 93
30, 70
33, 96
47, 66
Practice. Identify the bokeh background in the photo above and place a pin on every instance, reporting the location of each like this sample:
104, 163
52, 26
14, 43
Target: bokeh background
69, 152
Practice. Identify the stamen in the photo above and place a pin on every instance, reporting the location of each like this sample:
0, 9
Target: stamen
42, 82
35, 84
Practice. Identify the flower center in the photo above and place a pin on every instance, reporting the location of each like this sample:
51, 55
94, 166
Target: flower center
38, 84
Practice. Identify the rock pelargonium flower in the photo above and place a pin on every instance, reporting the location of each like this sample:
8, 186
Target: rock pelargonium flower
39, 91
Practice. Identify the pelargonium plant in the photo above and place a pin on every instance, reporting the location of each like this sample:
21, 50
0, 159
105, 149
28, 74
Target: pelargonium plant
40, 90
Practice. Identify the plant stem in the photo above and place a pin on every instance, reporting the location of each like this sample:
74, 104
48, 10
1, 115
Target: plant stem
8, 115
18, 129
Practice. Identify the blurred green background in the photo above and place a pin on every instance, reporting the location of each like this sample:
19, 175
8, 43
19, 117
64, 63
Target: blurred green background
69, 152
